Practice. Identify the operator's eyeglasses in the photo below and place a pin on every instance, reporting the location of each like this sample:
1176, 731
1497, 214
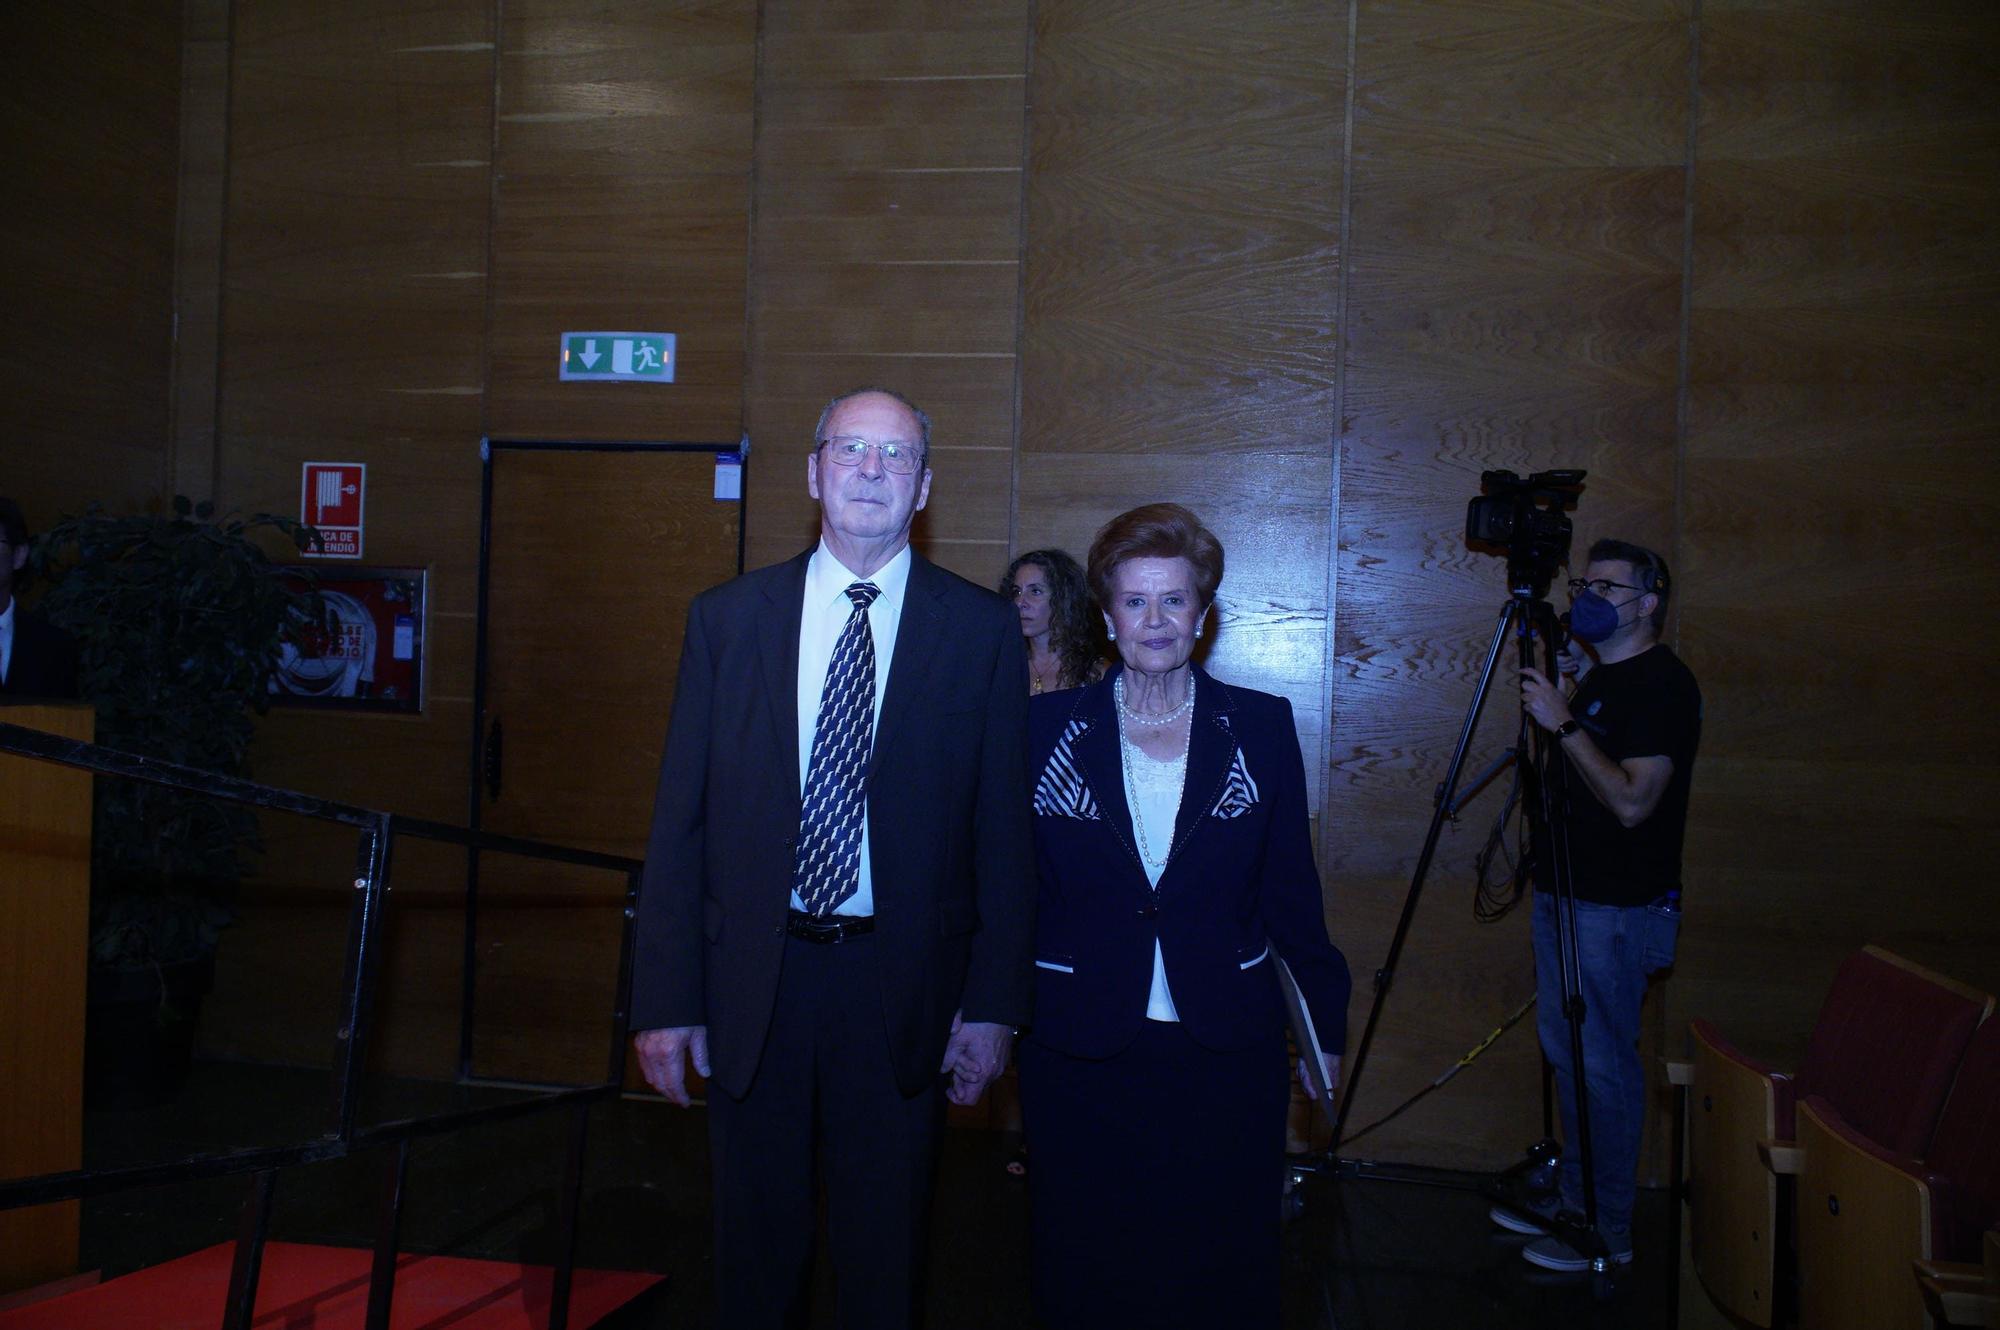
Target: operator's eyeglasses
898, 458
1603, 586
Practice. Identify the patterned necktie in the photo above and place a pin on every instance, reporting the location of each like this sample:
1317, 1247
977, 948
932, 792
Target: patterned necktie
827, 869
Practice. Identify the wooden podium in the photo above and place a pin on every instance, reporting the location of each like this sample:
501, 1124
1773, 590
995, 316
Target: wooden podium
44, 948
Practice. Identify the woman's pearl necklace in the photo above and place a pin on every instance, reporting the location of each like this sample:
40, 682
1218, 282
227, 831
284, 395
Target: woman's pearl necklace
1163, 718
1132, 754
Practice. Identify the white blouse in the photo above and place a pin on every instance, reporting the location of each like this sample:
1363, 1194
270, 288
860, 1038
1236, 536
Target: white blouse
1156, 786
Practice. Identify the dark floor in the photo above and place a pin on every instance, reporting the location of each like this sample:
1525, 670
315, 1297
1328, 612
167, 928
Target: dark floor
1363, 1253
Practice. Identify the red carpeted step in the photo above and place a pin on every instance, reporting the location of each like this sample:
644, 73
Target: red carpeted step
326, 1288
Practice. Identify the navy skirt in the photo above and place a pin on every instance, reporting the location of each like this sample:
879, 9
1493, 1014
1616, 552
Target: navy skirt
1155, 1179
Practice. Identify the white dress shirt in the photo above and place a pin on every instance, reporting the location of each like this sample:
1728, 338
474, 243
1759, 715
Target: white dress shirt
1158, 787
821, 618
7, 638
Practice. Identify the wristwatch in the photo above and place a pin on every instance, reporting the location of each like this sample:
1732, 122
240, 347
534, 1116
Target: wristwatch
1567, 728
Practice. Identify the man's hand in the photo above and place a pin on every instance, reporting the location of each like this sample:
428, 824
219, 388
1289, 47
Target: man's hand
975, 1055
1574, 661
1543, 700
1331, 1061
1630, 789
663, 1056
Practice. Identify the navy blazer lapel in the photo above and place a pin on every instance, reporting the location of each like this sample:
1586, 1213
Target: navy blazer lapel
917, 634
778, 648
1100, 760
1211, 750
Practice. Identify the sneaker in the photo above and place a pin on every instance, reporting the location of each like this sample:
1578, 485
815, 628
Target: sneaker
1531, 1217
1555, 1254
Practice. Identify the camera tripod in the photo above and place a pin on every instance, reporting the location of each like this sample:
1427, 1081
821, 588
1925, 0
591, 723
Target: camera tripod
1527, 618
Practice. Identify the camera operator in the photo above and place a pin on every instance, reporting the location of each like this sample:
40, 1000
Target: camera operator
1629, 730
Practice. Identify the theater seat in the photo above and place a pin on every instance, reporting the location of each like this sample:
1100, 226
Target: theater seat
1868, 1215
1883, 1051
1960, 1294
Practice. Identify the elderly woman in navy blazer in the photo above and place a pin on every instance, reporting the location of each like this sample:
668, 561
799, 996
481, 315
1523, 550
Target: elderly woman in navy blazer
1176, 868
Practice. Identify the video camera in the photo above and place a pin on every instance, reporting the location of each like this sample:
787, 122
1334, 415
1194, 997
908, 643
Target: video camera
1524, 520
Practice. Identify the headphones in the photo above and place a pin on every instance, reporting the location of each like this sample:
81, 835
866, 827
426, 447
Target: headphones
1656, 579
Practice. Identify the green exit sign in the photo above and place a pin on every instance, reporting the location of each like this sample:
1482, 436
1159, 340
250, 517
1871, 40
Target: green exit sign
635, 357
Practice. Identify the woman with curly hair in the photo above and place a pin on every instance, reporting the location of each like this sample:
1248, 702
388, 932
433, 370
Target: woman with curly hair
1048, 589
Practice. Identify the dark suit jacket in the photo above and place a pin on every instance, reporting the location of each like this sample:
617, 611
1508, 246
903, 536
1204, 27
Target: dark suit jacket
1239, 881
43, 663
947, 822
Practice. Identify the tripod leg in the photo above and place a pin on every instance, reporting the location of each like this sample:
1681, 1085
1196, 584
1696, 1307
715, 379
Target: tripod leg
1549, 805
1385, 976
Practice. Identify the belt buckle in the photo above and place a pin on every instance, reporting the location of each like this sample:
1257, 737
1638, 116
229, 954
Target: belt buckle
816, 929
825, 930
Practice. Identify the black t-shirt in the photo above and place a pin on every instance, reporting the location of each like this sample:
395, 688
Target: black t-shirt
1645, 706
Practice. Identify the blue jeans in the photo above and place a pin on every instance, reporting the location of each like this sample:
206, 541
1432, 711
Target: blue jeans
1617, 948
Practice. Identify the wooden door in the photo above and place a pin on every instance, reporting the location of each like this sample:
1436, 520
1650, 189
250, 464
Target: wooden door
592, 557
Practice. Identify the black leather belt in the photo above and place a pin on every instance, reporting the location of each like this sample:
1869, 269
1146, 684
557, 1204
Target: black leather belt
828, 928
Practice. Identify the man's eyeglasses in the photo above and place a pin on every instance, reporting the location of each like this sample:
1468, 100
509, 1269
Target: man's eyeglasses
1603, 586
898, 458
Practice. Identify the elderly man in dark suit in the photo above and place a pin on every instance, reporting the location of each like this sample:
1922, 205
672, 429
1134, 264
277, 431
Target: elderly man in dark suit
836, 905
37, 659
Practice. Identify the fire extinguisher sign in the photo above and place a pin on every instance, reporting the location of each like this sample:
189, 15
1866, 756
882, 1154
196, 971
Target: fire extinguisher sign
330, 499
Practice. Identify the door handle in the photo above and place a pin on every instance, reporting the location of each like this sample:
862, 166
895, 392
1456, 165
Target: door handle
493, 740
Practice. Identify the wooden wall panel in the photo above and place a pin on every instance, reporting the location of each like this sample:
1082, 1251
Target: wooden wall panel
621, 202
353, 315
91, 123
886, 251
1183, 215
1514, 276
200, 209
1841, 482
44, 942
352, 331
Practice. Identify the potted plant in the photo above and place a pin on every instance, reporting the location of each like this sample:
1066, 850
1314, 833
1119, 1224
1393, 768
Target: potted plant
178, 617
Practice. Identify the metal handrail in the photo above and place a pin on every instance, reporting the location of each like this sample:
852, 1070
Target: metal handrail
377, 832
